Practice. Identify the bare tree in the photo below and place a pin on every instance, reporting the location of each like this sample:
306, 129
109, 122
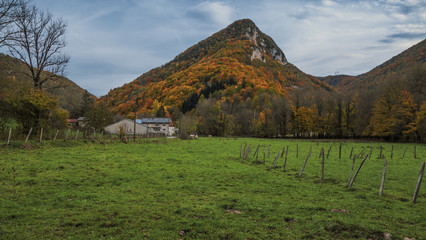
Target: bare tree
38, 40
8, 13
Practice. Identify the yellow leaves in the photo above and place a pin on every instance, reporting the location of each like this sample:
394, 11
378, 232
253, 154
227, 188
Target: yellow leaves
304, 118
393, 115
262, 117
40, 99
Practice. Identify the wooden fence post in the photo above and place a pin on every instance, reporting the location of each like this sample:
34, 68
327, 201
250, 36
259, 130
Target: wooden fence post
269, 149
285, 160
56, 135
248, 152
340, 151
392, 152
41, 134
383, 179
241, 150
371, 152
9, 136
76, 135
66, 135
250, 149
257, 152
352, 149
257, 149
297, 150
403, 155
415, 155
264, 154
357, 171
275, 160
304, 164
352, 172
28, 135
322, 163
419, 182
381, 149
328, 153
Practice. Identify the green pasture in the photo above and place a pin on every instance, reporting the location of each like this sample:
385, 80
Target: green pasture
202, 189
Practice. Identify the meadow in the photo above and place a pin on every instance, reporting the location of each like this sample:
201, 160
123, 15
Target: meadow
203, 189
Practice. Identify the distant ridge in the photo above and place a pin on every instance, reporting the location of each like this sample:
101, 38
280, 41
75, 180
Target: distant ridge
396, 66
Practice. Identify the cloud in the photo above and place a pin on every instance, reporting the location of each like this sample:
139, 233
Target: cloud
212, 12
111, 42
329, 3
406, 35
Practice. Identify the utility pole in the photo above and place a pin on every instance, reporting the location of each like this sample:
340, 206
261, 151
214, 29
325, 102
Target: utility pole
134, 119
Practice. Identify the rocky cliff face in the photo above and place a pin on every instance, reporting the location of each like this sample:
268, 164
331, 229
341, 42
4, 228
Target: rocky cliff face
262, 47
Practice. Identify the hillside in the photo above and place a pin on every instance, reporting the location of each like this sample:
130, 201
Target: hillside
396, 66
68, 93
235, 64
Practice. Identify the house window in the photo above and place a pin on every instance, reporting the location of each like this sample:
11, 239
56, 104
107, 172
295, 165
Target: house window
157, 124
164, 125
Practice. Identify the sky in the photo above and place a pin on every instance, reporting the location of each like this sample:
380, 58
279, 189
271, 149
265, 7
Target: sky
112, 42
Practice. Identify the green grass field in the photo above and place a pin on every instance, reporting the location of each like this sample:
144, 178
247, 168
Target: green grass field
176, 189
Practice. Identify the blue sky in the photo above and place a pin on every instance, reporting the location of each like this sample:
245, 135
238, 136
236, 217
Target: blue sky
111, 42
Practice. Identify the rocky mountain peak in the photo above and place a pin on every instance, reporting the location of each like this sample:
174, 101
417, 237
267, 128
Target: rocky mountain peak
264, 44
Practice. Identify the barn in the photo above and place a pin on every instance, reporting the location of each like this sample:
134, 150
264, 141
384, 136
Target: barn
128, 126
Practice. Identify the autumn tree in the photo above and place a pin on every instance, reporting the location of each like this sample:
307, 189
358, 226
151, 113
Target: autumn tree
364, 110
187, 125
393, 114
161, 112
38, 40
210, 118
29, 107
349, 111
421, 122
304, 119
98, 116
280, 110
87, 102
416, 83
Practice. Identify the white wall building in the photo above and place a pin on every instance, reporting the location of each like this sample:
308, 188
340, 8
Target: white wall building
159, 125
128, 126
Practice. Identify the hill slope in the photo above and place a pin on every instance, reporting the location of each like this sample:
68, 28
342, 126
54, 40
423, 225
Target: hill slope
396, 66
236, 63
69, 94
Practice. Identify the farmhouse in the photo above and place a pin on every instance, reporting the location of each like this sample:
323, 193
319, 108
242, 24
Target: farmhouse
159, 125
74, 123
128, 127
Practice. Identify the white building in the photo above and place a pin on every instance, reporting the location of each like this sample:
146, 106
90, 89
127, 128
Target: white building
159, 125
128, 126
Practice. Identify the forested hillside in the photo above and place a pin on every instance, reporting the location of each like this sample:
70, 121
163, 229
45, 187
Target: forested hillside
235, 64
69, 94
239, 82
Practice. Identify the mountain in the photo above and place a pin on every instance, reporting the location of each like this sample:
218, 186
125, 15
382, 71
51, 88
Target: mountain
399, 65
69, 94
235, 64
